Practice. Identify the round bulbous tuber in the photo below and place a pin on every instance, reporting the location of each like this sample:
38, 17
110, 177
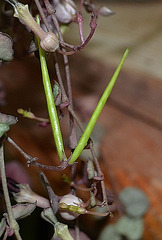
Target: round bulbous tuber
50, 42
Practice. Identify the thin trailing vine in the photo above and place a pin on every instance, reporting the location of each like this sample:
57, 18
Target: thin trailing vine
70, 206
12, 222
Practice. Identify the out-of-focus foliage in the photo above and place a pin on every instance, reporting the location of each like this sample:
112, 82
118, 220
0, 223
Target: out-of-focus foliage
131, 228
109, 232
134, 201
131, 225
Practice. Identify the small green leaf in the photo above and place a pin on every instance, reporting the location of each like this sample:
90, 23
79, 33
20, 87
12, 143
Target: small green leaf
6, 50
65, 178
3, 129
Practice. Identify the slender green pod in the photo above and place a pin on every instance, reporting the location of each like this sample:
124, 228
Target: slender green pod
50, 103
86, 135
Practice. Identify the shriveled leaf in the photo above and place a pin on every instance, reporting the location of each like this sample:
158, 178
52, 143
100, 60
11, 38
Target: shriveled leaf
65, 11
90, 169
52, 196
56, 94
109, 233
6, 50
3, 128
48, 215
32, 47
101, 210
23, 210
92, 200
8, 119
105, 12
2, 226
135, 201
131, 228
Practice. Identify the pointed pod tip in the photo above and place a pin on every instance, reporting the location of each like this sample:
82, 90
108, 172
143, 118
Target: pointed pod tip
124, 57
126, 52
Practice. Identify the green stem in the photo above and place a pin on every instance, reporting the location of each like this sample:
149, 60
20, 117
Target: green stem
12, 222
85, 136
50, 103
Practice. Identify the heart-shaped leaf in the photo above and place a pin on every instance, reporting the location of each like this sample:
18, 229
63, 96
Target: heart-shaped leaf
6, 50
131, 228
134, 201
109, 232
